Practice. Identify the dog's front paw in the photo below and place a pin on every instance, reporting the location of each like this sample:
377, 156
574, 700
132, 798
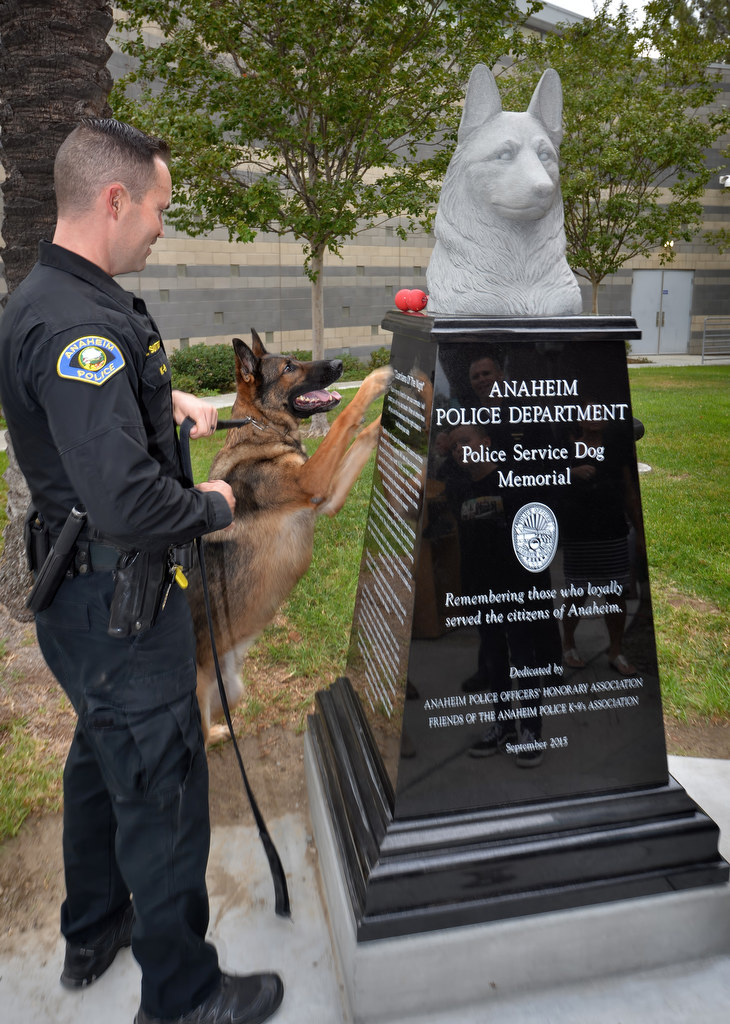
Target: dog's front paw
377, 382
218, 734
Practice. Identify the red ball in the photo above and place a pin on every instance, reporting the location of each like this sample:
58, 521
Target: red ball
402, 299
417, 299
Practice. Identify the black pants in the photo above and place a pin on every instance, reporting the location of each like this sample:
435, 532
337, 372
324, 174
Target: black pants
136, 817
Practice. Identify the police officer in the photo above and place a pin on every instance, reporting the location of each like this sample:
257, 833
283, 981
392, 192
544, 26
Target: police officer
85, 388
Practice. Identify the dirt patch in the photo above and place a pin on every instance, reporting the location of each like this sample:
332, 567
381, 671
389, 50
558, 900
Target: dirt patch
677, 600
31, 875
31, 870
698, 739
29, 692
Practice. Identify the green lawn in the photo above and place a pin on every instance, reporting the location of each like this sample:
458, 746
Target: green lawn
686, 501
686, 498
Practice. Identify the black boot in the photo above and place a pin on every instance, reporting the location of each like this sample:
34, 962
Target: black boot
85, 962
238, 999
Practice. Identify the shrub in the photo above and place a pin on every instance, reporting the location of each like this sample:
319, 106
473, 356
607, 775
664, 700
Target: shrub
185, 382
352, 367
379, 357
209, 367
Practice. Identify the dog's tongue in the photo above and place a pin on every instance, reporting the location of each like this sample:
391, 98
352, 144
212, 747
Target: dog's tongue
316, 400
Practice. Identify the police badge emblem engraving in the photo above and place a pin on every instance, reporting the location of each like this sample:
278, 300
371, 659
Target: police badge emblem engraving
91, 359
535, 536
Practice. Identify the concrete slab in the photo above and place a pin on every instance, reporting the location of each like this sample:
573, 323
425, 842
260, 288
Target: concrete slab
249, 937
465, 973
246, 932
679, 360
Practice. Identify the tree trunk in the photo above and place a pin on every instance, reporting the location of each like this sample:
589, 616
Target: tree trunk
319, 425
53, 56
594, 296
15, 579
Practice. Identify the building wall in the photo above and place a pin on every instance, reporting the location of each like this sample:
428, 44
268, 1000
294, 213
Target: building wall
210, 290
711, 286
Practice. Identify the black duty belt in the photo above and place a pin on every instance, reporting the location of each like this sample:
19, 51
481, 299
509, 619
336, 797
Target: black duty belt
93, 556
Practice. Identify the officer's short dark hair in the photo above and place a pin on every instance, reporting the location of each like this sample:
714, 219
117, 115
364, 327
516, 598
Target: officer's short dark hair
100, 151
489, 353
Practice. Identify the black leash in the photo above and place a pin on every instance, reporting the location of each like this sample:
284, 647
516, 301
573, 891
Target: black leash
277, 871
229, 424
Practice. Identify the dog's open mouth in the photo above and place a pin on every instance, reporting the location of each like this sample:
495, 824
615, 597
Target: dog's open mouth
310, 402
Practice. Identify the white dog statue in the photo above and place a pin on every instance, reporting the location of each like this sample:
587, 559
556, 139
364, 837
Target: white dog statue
500, 240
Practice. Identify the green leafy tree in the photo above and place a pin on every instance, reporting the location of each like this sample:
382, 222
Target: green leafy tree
713, 20
637, 132
318, 118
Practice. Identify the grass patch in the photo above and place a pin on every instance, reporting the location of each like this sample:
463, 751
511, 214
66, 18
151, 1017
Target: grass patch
685, 498
30, 773
686, 503
3, 495
30, 777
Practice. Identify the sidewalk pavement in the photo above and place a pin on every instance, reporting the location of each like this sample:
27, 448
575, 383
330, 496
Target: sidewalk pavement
250, 937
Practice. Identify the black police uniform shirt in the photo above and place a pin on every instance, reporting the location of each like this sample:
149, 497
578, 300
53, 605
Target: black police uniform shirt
86, 392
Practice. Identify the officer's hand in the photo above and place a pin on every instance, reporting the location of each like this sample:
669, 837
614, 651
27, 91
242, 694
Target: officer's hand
201, 412
223, 488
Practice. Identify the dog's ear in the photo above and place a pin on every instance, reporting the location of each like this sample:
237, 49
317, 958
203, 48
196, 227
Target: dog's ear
258, 346
482, 101
547, 105
246, 361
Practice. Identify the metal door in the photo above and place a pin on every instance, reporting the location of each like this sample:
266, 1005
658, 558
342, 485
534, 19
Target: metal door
661, 302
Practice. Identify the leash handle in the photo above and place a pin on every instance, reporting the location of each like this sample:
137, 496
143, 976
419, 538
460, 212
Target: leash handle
229, 424
278, 876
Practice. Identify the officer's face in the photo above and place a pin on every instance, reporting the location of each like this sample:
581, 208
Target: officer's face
143, 223
482, 375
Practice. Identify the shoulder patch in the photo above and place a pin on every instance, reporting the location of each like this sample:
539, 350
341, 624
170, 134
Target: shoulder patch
91, 359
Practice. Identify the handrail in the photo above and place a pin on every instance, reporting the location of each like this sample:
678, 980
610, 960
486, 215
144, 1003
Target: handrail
716, 338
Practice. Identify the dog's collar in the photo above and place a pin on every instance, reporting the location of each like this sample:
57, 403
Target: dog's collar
230, 424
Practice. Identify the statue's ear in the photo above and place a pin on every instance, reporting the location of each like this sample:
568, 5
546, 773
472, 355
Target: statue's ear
547, 105
482, 101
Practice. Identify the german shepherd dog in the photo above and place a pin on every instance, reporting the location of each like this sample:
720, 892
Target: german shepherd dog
500, 238
280, 492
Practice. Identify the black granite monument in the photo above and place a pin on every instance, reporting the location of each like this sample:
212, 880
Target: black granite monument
496, 747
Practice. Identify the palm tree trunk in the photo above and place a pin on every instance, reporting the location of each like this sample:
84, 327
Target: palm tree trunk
53, 56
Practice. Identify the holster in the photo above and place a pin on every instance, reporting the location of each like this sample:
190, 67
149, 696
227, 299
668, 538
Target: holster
139, 581
57, 562
36, 538
182, 556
